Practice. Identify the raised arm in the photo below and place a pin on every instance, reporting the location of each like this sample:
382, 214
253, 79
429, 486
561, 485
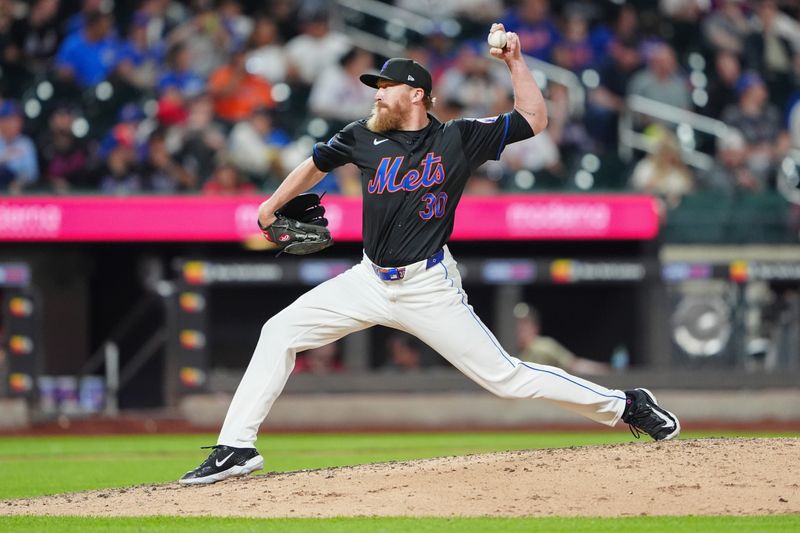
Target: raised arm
528, 99
299, 180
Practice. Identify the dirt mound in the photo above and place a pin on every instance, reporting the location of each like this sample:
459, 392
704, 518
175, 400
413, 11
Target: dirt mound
697, 477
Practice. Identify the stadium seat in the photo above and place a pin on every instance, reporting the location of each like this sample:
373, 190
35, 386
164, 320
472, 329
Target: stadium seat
760, 217
702, 217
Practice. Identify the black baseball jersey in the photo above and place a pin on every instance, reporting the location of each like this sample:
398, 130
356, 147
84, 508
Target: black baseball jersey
413, 180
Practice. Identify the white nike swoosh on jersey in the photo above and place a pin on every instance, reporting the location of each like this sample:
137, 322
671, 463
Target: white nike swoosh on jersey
669, 422
376, 142
220, 463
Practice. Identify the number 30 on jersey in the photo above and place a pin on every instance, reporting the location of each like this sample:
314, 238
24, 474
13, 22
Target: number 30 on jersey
434, 205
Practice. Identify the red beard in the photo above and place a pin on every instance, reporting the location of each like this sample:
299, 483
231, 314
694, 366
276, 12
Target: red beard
385, 118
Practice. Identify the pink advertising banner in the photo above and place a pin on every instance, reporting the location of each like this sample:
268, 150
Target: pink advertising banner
181, 218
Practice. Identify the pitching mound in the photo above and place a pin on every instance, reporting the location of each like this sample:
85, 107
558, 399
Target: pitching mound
688, 477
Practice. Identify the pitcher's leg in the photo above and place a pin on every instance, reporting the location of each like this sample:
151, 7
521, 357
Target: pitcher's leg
328, 312
451, 327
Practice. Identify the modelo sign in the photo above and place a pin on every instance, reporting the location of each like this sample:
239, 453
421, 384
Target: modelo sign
188, 218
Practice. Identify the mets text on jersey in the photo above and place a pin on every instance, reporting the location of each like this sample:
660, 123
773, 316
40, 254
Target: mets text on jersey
385, 179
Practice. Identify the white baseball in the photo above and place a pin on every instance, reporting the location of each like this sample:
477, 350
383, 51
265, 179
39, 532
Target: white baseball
497, 39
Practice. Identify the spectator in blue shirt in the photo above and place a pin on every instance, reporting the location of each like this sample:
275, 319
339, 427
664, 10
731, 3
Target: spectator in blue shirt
622, 24
18, 164
531, 20
139, 60
181, 76
120, 173
89, 56
575, 52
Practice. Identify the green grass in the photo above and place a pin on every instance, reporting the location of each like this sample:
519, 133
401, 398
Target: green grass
33, 466
705, 524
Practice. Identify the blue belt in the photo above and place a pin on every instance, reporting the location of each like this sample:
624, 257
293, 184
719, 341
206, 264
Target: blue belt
395, 273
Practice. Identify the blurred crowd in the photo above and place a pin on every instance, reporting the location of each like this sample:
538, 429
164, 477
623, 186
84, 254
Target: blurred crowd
226, 96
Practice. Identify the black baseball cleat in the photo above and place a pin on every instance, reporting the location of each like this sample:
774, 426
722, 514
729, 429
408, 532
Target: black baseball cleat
222, 463
642, 414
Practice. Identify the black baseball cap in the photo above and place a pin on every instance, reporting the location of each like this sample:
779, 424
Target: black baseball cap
401, 70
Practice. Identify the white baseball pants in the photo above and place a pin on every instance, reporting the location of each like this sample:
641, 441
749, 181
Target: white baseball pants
428, 303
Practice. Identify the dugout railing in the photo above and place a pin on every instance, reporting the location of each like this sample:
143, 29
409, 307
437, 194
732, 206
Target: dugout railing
639, 110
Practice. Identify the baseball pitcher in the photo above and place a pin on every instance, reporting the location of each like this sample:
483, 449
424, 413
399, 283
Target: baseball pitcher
413, 172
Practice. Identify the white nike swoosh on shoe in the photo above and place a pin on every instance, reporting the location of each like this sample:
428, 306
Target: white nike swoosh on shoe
376, 142
220, 463
252, 464
669, 423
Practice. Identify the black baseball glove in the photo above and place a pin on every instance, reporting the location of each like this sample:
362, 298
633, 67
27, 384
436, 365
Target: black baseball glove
300, 226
